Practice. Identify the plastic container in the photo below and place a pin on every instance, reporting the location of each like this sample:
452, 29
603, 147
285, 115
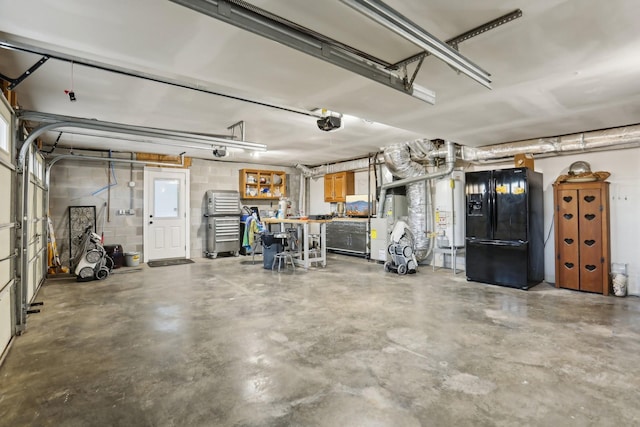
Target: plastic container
619, 278
132, 259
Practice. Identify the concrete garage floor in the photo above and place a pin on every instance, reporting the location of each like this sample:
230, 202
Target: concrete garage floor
226, 343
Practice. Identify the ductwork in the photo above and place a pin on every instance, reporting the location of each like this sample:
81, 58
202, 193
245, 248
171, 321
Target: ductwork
306, 171
349, 165
420, 149
623, 137
398, 158
406, 162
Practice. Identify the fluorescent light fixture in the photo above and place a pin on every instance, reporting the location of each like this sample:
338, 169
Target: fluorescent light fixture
423, 94
399, 24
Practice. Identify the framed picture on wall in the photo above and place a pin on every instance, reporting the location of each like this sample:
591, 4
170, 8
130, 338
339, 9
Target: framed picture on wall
80, 217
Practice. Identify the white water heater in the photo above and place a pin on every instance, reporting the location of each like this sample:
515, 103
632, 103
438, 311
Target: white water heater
449, 210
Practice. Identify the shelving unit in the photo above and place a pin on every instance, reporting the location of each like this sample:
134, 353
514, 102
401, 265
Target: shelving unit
256, 184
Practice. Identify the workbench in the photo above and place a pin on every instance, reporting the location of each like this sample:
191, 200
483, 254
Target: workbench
305, 255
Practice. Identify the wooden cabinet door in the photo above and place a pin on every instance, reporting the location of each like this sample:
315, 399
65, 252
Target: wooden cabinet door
337, 186
567, 245
582, 236
339, 189
590, 223
328, 188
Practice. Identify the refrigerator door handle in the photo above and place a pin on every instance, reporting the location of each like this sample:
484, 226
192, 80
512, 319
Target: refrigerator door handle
494, 208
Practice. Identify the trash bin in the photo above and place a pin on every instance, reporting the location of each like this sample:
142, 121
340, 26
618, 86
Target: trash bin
270, 247
132, 259
116, 253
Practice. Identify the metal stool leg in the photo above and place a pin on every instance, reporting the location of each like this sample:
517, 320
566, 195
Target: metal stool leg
293, 266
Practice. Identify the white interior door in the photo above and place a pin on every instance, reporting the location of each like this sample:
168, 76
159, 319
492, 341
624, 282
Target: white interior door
166, 219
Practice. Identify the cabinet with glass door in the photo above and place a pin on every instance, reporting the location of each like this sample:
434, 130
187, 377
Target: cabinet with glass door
262, 184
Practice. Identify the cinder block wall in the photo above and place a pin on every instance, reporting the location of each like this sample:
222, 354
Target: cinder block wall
78, 183
74, 182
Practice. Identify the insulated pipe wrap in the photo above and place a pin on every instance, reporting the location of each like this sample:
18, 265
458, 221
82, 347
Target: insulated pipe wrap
417, 207
619, 137
398, 159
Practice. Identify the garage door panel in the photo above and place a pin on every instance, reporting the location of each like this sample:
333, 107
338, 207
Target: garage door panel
5, 251
5, 195
6, 329
5, 240
7, 236
5, 273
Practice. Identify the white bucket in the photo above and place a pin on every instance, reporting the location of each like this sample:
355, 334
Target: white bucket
132, 259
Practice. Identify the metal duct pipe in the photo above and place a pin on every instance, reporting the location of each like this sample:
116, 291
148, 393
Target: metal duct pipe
624, 137
398, 160
349, 165
306, 171
302, 199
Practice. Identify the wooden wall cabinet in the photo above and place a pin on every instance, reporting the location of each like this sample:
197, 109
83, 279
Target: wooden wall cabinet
337, 186
582, 236
256, 184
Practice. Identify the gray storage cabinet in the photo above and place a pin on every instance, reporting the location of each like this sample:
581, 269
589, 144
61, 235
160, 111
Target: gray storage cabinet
222, 211
348, 236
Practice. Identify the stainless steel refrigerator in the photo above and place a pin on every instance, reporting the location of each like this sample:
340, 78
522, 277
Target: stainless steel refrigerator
504, 227
222, 211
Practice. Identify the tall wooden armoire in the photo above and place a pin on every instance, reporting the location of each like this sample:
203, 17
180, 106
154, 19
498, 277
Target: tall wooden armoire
582, 236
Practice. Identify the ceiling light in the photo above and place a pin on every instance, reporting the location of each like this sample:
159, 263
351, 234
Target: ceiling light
396, 22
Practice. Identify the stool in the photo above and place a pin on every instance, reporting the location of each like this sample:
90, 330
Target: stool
290, 236
283, 256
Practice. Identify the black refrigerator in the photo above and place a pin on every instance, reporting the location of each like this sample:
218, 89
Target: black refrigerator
504, 227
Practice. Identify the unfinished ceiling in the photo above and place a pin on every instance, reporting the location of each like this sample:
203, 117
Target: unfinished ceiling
564, 66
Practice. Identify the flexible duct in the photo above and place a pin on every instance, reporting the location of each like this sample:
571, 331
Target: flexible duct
398, 159
624, 137
420, 149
